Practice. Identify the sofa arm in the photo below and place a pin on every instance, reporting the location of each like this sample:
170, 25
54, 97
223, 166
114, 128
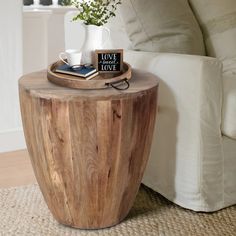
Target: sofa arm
186, 152
191, 84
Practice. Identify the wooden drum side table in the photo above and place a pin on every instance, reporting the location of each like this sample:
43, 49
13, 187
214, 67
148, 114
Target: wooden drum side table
88, 148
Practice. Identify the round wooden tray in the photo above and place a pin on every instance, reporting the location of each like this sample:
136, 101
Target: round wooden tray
100, 81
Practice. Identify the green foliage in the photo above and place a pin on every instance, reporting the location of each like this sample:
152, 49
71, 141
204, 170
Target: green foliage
95, 12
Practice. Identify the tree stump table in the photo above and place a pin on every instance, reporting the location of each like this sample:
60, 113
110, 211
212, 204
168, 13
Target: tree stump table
88, 148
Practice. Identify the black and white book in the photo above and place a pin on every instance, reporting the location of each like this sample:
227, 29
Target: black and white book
82, 71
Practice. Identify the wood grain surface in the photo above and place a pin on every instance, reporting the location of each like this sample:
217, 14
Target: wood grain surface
88, 149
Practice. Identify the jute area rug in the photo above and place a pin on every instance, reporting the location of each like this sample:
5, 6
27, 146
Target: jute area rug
24, 212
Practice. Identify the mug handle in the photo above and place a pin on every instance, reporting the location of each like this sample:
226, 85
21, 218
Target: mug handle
62, 59
108, 35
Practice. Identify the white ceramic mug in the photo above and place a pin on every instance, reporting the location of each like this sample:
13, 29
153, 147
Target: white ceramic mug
73, 57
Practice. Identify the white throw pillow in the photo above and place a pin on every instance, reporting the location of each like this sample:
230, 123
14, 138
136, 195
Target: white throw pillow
218, 22
162, 26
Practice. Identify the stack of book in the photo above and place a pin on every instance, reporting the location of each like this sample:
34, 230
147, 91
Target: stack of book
83, 72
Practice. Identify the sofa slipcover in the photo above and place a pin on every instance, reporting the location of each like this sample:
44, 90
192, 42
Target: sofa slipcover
217, 19
191, 162
162, 26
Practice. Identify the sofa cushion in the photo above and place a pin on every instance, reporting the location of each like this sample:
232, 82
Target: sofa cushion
217, 19
118, 34
162, 26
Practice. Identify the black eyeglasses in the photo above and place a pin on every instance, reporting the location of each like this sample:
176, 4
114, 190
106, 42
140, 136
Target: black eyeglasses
81, 66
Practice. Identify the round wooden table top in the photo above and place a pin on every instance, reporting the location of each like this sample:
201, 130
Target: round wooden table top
38, 85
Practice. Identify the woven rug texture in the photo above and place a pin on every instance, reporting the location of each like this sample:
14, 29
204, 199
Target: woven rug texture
24, 212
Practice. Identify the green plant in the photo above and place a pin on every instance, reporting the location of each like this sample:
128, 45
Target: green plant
95, 12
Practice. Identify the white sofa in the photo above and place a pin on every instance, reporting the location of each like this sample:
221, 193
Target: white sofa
192, 163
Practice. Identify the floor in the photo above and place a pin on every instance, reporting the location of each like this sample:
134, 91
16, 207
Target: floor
15, 169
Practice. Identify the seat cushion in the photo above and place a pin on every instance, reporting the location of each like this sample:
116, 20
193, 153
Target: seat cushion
162, 26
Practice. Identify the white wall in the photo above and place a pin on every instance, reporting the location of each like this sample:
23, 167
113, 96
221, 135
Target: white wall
56, 33
43, 39
35, 40
11, 135
43, 36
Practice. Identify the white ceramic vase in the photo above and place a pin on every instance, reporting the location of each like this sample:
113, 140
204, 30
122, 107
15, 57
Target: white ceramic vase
93, 40
55, 3
36, 3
